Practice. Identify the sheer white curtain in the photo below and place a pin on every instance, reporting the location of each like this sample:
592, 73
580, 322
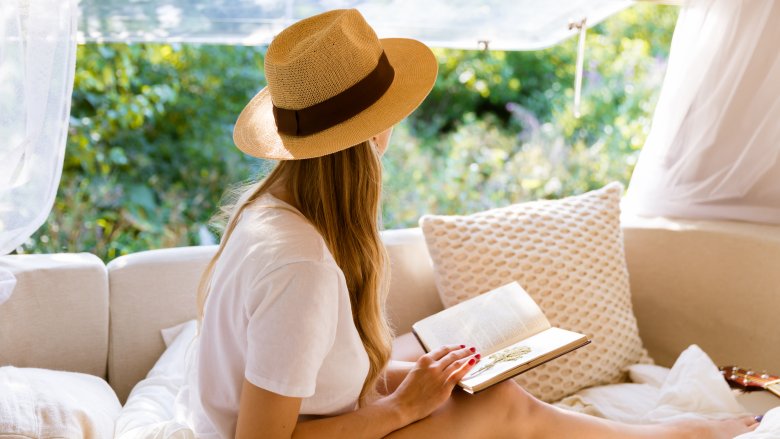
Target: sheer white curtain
714, 146
37, 63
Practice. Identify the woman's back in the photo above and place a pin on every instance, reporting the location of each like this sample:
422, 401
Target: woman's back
278, 315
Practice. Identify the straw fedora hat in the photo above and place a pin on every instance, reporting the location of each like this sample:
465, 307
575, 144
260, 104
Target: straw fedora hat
331, 85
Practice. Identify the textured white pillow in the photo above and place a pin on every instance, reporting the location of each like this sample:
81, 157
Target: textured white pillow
568, 254
42, 403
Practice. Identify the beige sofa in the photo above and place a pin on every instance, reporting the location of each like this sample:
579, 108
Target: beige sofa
716, 284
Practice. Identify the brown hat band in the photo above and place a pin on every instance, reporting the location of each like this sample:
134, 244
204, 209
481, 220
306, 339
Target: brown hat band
337, 109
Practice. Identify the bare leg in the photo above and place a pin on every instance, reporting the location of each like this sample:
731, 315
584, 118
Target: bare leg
507, 410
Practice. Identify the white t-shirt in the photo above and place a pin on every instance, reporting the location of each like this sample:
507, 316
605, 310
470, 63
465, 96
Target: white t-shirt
278, 314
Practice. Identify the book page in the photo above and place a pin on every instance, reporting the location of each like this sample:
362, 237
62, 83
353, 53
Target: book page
489, 322
536, 349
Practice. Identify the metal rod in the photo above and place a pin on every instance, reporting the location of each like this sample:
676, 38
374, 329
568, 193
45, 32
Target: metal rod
580, 64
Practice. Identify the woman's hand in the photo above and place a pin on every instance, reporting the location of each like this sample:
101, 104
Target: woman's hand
430, 382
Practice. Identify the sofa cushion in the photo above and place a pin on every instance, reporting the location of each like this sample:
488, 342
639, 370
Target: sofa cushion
42, 403
568, 254
57, 314
412, 294
150, 291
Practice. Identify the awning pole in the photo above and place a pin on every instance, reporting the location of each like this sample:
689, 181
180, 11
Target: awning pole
580, 63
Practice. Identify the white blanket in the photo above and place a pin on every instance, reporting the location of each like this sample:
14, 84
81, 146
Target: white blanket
692, 389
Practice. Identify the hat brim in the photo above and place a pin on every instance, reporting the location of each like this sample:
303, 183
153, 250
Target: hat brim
415, 68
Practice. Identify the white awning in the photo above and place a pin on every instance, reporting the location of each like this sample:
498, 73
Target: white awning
504, 24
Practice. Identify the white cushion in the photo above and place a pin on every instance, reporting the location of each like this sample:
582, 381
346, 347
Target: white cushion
42, 403
149, 290
57, 316
568, 254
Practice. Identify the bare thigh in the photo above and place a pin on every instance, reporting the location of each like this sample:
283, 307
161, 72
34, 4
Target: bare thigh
496, 412
486, 414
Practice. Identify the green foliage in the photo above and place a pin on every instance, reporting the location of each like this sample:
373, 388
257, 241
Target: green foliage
149, 150
150, 153
499, 127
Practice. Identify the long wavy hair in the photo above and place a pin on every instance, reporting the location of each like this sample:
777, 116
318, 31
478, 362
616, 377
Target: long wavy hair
339, 194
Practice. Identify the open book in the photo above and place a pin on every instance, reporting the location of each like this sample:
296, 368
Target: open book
506, 326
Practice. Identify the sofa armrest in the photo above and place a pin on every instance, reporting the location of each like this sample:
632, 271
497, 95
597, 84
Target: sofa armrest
57, 316
712, 283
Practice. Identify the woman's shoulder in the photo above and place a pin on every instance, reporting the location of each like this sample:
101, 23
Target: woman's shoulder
271, 250
271, 233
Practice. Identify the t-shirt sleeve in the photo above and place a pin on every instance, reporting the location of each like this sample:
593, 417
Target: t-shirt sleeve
293, 314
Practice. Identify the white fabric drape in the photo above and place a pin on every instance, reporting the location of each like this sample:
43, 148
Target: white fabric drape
504, 24
37, 64
714, 145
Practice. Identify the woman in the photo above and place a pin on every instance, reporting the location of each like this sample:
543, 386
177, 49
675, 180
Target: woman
293, 339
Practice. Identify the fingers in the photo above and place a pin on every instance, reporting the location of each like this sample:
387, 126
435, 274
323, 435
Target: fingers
458, 369
451, 362
437, 354
455, 355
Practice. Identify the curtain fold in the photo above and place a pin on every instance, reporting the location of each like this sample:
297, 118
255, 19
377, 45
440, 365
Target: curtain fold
37, 64
713, 151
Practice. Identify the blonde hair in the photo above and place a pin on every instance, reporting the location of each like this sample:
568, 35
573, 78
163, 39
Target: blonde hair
339, 194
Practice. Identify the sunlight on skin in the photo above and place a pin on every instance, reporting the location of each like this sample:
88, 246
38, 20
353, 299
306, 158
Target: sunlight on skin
382, 140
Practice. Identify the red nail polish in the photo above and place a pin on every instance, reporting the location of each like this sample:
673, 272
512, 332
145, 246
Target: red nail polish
472, 361
462, 346
478, 356
473, 349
